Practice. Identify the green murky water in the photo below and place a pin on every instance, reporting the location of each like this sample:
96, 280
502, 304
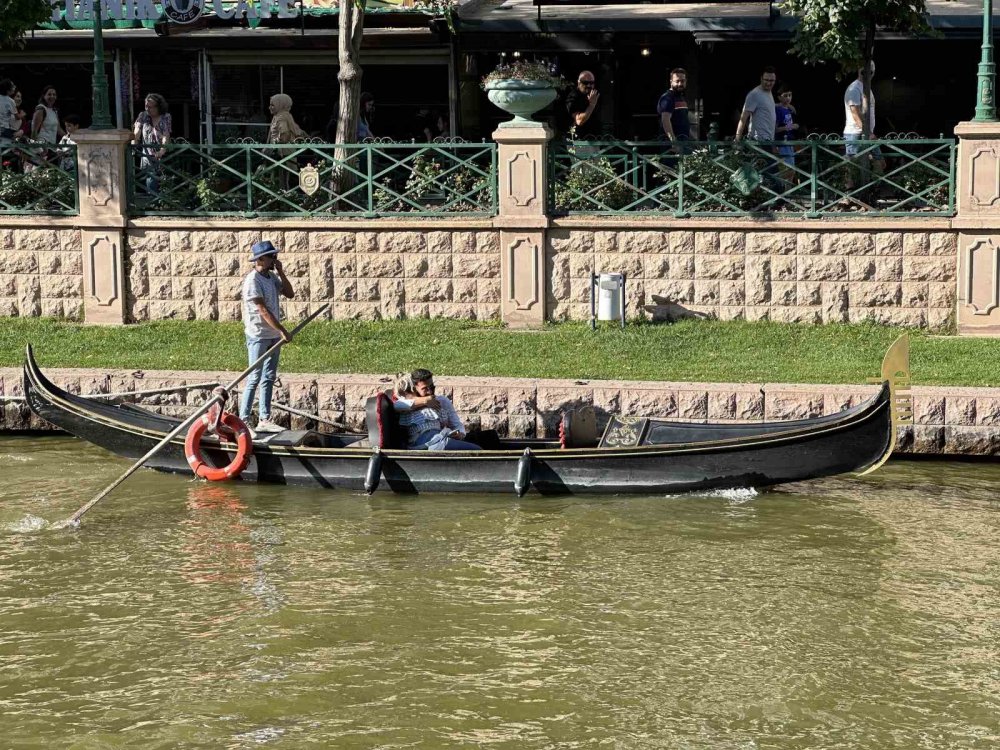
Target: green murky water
836, 614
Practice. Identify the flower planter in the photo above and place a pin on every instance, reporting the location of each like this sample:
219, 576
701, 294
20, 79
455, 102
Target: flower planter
520, 98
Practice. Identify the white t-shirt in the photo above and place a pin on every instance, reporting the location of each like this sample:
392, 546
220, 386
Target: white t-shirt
854, 95
268, 288
8, 113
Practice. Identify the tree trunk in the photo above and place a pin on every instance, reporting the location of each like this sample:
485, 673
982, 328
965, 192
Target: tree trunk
350, 31
866, 80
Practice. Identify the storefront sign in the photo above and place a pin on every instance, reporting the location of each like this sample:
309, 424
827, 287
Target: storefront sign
180, 11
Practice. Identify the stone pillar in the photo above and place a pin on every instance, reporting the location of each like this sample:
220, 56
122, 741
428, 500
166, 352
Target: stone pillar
103, 215
522, 160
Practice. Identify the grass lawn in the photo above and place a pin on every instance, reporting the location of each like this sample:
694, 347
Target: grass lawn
709, 351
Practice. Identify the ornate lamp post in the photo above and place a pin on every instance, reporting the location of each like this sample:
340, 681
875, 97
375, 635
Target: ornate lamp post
101, 117
986, 107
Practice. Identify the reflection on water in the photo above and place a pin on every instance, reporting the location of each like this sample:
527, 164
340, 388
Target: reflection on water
838, 614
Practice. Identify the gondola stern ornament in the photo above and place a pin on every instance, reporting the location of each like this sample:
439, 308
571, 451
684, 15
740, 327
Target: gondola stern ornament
896, 371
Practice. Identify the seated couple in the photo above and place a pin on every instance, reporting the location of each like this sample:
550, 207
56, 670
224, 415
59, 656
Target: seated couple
430, 421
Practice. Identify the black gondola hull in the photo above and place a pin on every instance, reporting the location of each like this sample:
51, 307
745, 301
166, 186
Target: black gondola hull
829, 446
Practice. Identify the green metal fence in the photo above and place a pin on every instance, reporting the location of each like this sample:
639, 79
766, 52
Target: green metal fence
811, 178
38, 179
313, 179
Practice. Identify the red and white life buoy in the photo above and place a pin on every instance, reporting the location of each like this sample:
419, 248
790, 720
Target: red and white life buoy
225, 424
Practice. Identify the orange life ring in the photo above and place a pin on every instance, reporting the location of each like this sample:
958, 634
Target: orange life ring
230, 425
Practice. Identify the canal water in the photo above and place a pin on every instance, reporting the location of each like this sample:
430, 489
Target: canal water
844, 613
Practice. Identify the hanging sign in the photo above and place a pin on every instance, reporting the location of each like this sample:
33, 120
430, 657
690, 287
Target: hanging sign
179, 11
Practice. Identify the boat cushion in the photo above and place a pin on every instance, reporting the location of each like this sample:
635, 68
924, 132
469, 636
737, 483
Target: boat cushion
578, 428
382, 421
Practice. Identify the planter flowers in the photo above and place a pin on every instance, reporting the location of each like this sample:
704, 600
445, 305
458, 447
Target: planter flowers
521, 89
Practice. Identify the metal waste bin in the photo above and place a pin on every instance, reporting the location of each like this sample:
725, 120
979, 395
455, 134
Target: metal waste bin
607, 295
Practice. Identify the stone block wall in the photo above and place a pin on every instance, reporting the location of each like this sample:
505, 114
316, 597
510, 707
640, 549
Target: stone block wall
41, 271
368, 274
947, 421
799, 273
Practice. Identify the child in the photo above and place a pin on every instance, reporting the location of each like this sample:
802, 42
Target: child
67, 160
786, 130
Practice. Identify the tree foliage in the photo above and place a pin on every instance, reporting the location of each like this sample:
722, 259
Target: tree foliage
20, 16
843, 31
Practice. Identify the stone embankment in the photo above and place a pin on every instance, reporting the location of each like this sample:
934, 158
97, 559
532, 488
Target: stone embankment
948, 421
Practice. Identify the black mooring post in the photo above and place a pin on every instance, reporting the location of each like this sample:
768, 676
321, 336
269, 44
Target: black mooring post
593, 302
623, 301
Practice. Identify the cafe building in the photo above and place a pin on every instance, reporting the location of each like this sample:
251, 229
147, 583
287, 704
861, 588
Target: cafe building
219, 67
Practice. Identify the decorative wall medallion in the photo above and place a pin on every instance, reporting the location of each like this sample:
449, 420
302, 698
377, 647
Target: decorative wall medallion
984, 176
982, 276
102, 279
309, 179
100, 178
522, 179
523, 270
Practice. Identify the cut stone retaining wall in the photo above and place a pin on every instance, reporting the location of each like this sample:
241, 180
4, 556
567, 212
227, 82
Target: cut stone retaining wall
388, 273
948, 421
893, 272
789, 271
41, 271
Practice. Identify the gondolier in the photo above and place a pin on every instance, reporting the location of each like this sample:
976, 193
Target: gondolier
262, 291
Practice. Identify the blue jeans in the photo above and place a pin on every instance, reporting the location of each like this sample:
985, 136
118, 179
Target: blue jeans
452, 444
265, 375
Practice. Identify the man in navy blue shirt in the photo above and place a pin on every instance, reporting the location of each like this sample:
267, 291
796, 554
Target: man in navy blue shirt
673, 109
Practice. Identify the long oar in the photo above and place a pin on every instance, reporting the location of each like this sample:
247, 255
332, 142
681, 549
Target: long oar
306, 415
216, 399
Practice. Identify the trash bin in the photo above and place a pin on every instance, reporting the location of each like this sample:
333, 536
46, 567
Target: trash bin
610, 297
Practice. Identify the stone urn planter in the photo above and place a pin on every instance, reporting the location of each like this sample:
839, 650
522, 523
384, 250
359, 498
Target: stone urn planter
521, 98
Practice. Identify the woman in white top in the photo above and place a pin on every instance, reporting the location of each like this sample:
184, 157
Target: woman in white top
45, 125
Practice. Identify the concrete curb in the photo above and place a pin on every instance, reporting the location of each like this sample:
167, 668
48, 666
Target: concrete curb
948, 421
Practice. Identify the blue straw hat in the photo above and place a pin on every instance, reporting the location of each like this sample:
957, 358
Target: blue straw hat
260, 249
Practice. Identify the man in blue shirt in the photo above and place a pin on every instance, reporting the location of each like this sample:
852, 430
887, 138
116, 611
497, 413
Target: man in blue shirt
263, 329
673, 109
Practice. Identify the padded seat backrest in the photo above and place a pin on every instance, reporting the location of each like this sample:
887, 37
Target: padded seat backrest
578, 428
382, 422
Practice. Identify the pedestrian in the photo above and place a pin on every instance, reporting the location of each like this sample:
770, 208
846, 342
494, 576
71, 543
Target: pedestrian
22, 123
786, 129
283, 128
672, 109
67, 160
757, 119
856, 109
423, 125
8, 111
153, 126
430, 421
581, 105
365, 116
262, 290
45, 125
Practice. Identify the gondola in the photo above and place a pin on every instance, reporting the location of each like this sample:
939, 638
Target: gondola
633, 456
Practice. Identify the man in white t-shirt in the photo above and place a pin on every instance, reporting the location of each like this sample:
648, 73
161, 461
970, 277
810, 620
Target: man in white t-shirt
8, 111
856, 109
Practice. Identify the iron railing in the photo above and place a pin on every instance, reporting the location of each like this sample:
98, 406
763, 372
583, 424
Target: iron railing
811, 178
37, 178
313, 179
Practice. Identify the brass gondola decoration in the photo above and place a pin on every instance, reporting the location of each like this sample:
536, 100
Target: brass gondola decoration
896, 370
